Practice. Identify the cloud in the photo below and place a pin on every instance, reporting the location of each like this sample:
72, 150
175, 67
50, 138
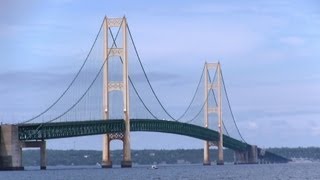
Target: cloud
316, 130
210, 41
214, 8
25, 78
62, 2
252, 125
283, 131
210, 31
293, 41
286, 109
154, 77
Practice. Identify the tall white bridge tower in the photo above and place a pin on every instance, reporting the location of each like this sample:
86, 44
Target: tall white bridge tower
123, 86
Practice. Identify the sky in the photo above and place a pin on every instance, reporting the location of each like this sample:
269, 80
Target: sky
268, 50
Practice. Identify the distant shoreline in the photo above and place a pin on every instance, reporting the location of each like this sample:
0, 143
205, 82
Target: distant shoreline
152, 156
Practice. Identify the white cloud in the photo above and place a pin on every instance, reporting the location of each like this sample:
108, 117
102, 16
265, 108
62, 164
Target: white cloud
62, 2
252, 125
273, 94
214, 8
201, 37
283, 131
5, 31
316, 130
293, 41
247, 8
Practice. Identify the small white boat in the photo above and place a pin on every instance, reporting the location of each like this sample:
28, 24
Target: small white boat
154, 167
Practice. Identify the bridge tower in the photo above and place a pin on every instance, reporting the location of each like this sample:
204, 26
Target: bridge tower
208, 110
122, 86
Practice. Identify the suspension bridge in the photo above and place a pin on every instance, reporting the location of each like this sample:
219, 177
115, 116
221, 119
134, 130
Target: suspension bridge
111, 94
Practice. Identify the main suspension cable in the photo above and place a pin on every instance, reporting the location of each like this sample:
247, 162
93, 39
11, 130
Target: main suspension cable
145, 74
225, 90
94, 80
152, 89
215, 99
72, 82
205, 101
134, 88
194, 96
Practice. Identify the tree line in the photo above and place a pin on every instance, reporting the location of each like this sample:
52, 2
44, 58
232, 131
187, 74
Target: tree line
183, 156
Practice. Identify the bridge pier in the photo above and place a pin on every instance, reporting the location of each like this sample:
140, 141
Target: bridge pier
43, 156
220, 160
126, 163
106, 161
10, 148
248, 156
43, 152
206, 154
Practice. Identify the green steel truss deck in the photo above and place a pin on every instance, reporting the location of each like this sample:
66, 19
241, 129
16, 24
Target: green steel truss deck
39, 131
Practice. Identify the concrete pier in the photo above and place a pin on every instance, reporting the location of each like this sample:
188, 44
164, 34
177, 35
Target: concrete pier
248, 156
10, 148
126, 164
106, 161
106, 164
206, 154
43, 154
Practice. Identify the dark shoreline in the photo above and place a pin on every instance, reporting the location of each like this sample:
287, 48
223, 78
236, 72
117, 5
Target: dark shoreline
145, 157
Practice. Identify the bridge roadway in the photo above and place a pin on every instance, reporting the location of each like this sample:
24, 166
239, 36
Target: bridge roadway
39, 131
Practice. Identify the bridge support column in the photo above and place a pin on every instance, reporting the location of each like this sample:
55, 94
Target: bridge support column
206, 154
126, 145
106, 161
248, 156
220, 160
43, 152
43, 156
10, 148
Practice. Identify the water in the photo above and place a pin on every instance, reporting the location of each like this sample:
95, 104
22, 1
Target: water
290, 171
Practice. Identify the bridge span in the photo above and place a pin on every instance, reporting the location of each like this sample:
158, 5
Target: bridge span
16, 137
104, 97
38, 131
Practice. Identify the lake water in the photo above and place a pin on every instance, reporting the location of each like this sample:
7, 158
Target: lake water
184, 172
